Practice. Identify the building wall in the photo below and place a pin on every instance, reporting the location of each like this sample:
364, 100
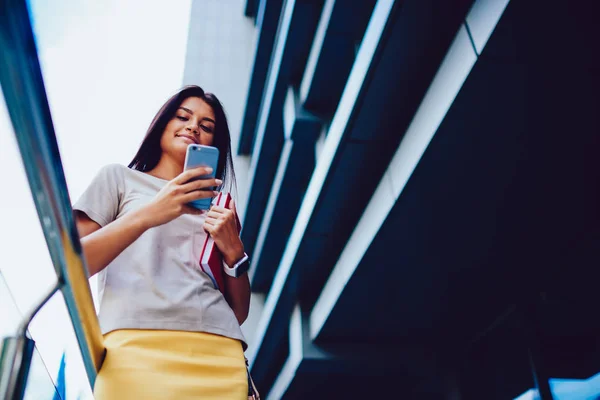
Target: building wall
219, 57
413, 282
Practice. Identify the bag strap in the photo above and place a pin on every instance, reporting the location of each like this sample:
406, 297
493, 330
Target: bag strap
252, 391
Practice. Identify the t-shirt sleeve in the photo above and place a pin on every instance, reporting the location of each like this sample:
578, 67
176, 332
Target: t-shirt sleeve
101, 200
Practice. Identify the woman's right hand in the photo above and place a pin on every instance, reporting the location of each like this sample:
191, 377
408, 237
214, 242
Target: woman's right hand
172, 201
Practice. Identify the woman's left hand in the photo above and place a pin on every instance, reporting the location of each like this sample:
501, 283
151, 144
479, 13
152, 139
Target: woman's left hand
221, 224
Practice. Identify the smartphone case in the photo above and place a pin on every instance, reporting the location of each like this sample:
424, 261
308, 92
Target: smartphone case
199, 155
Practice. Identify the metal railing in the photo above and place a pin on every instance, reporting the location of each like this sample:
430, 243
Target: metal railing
27, 104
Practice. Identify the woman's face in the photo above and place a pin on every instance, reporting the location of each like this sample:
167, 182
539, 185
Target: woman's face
193, 122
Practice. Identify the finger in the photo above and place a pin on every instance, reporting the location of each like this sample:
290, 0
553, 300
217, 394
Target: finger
219, 209
234, 211
211, 221
200, 184
185, 176
197, 195
214, 215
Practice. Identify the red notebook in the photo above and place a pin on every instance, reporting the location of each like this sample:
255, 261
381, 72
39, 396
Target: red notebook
211, 260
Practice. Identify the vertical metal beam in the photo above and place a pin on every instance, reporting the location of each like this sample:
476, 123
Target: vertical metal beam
267, 22
293, 174
27, 104
294, 36
272, 325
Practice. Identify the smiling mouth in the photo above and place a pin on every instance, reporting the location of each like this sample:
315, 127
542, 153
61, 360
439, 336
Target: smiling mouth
193, 139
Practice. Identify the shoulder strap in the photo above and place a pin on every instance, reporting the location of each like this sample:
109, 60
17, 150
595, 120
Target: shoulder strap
252, 391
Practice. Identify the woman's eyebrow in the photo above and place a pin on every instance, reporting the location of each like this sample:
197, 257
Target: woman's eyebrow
192, 113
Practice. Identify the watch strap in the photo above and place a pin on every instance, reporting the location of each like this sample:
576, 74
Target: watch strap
239, 268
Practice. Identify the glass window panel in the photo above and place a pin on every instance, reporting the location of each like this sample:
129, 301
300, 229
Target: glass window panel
573, 354
55, 338
572, 330
39, 384
576, 389
10, 317
497, 366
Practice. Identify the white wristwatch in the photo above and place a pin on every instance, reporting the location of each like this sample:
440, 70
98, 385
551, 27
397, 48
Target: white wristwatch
239, 268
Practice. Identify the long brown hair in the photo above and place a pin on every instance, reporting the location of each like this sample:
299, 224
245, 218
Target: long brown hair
150, 151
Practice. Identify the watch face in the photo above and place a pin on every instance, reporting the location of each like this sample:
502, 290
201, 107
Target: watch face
242, 268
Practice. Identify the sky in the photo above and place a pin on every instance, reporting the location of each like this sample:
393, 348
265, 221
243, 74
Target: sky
108, 67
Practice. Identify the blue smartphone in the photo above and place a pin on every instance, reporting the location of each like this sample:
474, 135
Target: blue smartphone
198, 155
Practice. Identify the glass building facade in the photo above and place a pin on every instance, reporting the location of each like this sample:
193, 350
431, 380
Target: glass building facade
421, 204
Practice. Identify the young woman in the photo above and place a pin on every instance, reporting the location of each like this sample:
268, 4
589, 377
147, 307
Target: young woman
169, 333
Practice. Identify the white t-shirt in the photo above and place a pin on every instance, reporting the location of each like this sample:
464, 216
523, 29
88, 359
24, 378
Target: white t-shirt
156, 282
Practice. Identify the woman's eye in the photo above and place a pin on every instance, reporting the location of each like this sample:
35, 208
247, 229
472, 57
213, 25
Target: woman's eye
181, 118
206, 129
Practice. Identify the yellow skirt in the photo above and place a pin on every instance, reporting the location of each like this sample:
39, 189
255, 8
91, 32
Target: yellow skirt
159, 364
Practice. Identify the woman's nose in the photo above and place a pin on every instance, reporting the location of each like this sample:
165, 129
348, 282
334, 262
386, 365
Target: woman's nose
192, 128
